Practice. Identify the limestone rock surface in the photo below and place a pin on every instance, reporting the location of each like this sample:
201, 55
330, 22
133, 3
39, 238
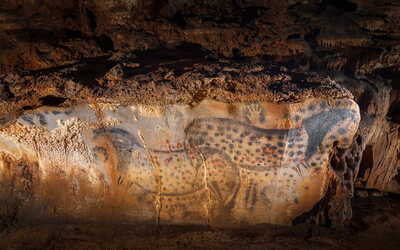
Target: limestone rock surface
212, 163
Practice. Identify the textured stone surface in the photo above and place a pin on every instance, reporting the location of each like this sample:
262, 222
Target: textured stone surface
213, 163
61, 53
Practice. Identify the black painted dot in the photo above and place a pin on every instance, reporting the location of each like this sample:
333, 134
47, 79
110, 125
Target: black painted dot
210, 127
280, 144
299, 153
281, 137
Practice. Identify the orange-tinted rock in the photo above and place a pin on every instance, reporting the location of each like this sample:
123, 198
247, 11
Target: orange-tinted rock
213, 163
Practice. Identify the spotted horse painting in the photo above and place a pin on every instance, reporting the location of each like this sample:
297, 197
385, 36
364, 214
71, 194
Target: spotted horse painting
213, 163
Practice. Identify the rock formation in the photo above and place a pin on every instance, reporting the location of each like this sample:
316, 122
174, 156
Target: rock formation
204, 112
259, 156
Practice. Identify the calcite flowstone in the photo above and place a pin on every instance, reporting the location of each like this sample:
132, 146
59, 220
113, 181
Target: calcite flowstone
212, 163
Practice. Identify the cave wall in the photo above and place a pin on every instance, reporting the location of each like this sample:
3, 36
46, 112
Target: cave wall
215, 163
353, 42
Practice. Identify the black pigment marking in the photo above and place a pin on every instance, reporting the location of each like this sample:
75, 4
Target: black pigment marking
28, 119
42, 119
121, 139
124, 140
101, 150
318, 125
236, 123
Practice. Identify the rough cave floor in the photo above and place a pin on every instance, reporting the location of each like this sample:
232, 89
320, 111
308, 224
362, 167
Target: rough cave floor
375, 225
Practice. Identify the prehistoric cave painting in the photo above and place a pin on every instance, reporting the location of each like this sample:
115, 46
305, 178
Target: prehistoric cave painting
245, 162
254, 113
